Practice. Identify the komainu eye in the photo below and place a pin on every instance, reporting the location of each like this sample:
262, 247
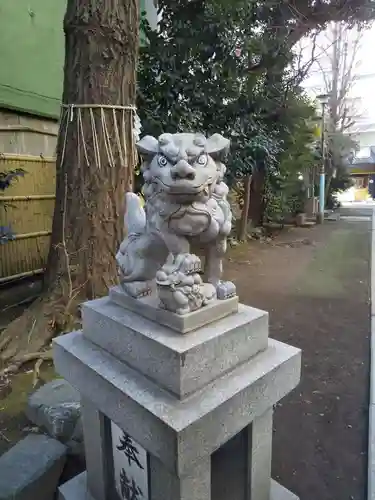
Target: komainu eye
202, 160
162, 160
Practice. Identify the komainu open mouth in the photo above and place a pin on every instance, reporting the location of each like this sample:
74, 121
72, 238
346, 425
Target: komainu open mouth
183, 188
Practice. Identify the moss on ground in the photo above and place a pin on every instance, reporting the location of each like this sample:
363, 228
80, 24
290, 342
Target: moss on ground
344, 253
12, 407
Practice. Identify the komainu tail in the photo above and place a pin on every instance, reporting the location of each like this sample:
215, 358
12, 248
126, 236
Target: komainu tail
134, 219
135, 216
141, 253
130, 255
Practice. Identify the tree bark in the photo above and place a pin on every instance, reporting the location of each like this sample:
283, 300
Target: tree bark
100, 69
95, 159
256, 197
327, 186
245, 209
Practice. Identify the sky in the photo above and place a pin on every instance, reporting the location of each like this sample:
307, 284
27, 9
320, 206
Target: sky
363, 89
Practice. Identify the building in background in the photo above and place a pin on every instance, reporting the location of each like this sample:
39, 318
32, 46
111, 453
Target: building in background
362, 171
31, 84
363, 128
358, 105
32, 58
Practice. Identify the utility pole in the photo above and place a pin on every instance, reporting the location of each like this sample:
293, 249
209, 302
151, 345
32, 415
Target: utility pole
323, 99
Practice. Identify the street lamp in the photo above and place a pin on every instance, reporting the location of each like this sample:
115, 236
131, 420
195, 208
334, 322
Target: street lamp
323, 100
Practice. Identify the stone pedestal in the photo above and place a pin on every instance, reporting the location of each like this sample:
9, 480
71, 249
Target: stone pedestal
168, 416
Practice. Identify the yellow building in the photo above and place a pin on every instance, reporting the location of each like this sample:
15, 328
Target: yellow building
362, 170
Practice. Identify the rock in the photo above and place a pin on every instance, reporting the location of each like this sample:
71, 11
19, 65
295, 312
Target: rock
76, 488
31, 469
256, 233
5, 388
233, 242
55, 408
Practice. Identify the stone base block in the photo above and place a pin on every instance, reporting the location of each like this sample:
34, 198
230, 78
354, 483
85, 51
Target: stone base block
31, 469
182, 364
278, 492
76, 489
149, 307
178, 432
56, 408
243, 464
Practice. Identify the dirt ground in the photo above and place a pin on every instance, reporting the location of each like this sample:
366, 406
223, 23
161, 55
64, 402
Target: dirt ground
315, 285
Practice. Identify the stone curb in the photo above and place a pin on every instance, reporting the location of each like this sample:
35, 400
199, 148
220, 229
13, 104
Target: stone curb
371, 429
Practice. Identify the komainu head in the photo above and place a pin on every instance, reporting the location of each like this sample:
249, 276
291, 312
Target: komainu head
184, 166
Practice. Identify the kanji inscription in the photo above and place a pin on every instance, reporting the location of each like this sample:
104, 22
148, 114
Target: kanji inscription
130, 466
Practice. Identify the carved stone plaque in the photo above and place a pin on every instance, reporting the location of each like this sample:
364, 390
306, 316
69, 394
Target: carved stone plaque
130, 466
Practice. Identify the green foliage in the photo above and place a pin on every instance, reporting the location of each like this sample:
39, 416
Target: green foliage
194, 75
339, 183
221, 66
6, 178
285, 191
299, 137
298, 198
339, 147
284, 197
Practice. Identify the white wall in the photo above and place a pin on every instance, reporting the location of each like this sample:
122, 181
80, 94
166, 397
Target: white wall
365, 139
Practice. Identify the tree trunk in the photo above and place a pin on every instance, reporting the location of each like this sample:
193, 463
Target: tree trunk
256, 197
100, 65
245, 209
327, 186
95, 159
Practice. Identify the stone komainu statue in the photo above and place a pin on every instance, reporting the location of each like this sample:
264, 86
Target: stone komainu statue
185, 202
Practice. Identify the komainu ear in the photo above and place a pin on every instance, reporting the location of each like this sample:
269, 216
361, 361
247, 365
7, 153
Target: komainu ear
148, 145
217, 144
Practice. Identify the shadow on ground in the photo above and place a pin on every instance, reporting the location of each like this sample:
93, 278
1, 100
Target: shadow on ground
318, 298
315, 284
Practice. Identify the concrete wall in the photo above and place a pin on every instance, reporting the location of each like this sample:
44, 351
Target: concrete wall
31, 55
365, 139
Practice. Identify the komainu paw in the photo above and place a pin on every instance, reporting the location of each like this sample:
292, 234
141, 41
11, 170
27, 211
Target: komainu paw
226, 290
138, 289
